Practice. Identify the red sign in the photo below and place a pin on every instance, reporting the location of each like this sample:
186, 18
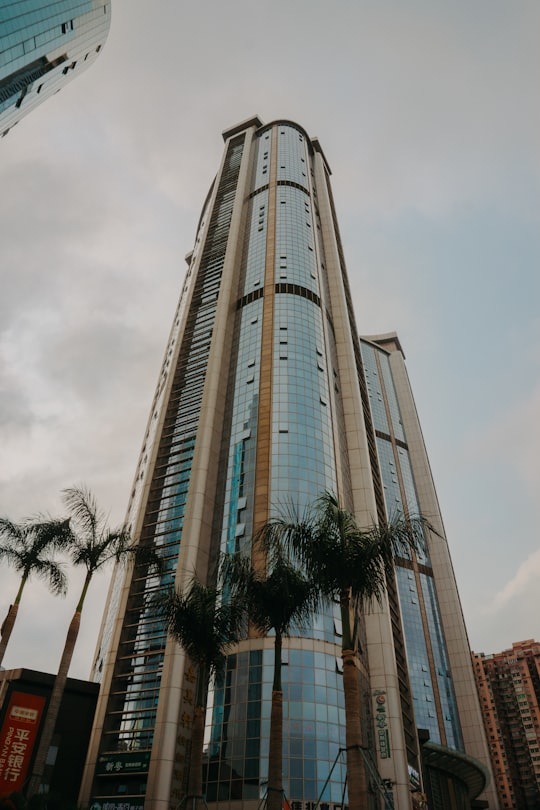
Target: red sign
17, 738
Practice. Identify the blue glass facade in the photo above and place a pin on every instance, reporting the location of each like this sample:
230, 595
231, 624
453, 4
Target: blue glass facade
43, 45
314, 717
302, 465
435, 706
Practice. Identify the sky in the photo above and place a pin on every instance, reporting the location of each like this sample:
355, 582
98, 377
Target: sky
429, 116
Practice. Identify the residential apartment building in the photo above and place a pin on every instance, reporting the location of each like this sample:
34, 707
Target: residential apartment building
508, 685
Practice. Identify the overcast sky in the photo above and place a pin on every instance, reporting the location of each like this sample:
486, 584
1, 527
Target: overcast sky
429, 115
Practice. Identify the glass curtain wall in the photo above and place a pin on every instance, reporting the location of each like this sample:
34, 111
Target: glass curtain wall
435, 705
302, 466
43, 45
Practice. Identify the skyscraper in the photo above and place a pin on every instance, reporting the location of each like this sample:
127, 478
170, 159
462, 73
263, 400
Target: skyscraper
509, 688
267, 394
44, 44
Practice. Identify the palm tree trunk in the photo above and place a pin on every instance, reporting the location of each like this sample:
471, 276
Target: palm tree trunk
196, 759
356, 774
7, 628
195, 781
275, 753
54, 705
9, 621
56, 695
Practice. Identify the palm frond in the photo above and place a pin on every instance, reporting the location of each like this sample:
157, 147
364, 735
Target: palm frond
12, 557
288, 532
275, 598
339, 556
94, 544
27, 546
53, 574
201, 623
49, 533
10, 532
84, 512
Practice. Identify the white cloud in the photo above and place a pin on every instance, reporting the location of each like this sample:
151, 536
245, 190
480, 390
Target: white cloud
527, 575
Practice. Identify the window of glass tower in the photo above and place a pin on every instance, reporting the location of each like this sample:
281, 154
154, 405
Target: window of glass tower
314, 718
425, 709
375, 390
253, 267
292, 157
295, 260
303, 463
395, 415
238, 507
262, 169
442, 665
302, 441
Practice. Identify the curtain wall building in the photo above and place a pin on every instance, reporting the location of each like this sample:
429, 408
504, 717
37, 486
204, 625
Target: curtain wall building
267, 394
44, 44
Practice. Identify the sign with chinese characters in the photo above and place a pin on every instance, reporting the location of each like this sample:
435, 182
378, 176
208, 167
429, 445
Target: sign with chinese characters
184, 734
381, 724
17, 738
130, 762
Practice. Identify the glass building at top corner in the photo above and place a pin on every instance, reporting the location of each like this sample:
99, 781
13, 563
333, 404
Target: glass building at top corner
267, 395
44, 44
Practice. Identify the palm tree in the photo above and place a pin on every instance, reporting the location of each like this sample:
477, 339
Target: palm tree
205, 626
92, 545
275, 598
347, 565
27, 547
